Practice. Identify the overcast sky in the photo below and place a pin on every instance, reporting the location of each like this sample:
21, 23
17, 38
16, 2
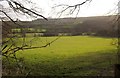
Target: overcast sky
95, 8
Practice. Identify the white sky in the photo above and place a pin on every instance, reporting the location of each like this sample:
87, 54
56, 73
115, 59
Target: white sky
95, 8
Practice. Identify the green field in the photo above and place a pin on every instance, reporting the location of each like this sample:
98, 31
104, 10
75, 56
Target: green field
69, 56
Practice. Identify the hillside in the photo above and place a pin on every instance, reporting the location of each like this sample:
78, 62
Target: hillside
100, 25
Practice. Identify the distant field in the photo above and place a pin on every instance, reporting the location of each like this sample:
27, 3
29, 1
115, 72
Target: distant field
70, 55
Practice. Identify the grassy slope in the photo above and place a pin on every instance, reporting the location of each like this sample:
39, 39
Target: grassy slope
75, 55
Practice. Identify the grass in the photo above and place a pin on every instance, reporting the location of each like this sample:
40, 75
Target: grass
70, 56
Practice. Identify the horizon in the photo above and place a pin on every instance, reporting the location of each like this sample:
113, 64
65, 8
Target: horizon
73, 17
67, 18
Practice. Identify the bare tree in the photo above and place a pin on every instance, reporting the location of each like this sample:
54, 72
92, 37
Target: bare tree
17, 7
9, 45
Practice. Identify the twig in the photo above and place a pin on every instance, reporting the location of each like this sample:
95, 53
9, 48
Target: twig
71, 6
29, 10
9, 17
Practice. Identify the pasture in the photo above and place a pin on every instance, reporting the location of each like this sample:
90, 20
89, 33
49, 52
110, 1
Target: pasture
68, 56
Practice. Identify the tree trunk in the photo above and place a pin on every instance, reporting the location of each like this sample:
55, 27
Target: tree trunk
117, 70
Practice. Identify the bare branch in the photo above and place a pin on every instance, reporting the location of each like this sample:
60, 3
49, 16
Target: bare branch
28, 10
16, 49
74, 7
9, 18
